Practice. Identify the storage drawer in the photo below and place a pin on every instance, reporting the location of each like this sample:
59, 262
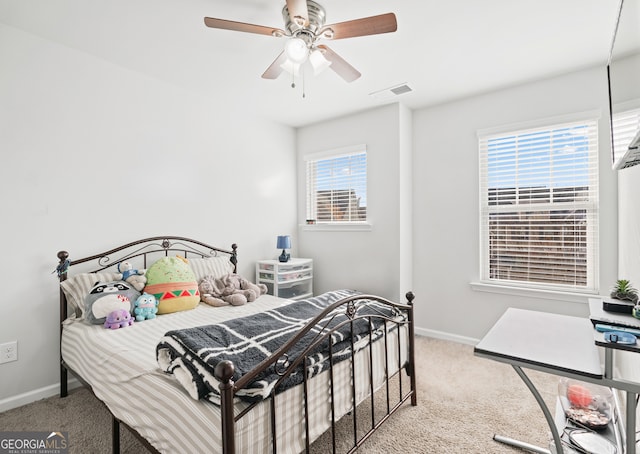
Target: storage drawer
292, 275
290, 280
288, 268
295, 290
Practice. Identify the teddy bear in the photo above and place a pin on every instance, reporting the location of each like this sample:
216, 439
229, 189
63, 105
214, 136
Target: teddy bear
229, 289
119, 318
145, 307
134, 277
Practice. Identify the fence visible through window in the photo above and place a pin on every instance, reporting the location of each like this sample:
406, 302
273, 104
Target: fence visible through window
539, 206
337, 186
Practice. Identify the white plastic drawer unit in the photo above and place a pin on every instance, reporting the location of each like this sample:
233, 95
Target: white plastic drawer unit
292, 279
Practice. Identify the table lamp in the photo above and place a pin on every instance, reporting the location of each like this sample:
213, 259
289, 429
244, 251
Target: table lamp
284, 243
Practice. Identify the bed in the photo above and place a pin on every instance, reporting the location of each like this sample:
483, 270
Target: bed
327, 365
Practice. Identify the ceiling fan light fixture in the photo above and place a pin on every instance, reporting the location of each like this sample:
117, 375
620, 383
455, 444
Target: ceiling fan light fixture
296, 50
304, 26
318, 61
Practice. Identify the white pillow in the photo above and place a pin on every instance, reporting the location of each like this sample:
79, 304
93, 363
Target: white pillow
211, 266
77, 287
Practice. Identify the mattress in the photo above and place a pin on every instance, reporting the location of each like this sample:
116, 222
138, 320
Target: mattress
120, 366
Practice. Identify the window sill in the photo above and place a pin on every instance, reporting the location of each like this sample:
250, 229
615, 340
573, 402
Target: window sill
338, 227
572, 297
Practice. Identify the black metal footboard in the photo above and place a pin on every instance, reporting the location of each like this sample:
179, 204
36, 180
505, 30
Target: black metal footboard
401, 325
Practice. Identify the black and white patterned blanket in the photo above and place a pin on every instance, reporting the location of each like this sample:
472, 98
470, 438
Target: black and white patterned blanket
192, 354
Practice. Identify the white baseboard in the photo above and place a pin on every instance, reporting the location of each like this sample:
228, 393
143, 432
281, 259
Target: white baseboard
446, 336
36, 394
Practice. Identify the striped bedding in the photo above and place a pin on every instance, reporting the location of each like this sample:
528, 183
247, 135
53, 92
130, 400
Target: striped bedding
119, 363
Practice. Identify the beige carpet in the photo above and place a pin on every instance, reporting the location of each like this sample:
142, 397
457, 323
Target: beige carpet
462, 402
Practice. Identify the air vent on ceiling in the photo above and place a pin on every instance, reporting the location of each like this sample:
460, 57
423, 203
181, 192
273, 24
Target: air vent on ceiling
391, 92
401, 89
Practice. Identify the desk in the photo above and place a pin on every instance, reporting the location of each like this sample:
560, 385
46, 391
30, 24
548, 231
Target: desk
560, 345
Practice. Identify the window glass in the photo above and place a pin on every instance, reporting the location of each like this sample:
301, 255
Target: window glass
539, 206
337, 186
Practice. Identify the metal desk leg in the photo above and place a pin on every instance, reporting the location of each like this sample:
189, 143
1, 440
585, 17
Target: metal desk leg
608, 363
547, 414
630, 408
520, 444
631, 422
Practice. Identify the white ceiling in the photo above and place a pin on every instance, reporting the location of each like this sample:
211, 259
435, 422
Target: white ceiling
444, 50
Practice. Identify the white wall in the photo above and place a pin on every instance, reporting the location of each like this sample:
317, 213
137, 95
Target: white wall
444, 250
629, 207
376, 261
446, 198
94, 155
628, 186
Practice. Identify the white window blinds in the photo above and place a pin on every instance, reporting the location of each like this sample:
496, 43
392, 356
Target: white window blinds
337, 186
539, 206
625, 126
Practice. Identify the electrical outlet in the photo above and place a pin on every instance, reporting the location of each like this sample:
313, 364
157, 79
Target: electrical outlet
9, 352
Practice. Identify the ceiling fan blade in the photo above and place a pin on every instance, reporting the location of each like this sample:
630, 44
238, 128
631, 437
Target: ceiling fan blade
339, 65
242, 27
298, 12
275, 69
384, 23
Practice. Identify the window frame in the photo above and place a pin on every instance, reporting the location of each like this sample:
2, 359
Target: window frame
624, 114
485, 283
311, 222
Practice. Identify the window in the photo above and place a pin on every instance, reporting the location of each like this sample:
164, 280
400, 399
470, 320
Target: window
539, 207
625, 126
337, 186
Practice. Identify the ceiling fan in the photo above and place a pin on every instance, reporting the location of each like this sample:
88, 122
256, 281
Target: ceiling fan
304, 28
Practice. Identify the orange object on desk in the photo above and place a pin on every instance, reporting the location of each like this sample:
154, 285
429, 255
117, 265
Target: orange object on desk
579, 395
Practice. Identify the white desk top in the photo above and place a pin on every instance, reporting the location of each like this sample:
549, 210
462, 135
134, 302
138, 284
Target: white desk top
599, 315
552, 342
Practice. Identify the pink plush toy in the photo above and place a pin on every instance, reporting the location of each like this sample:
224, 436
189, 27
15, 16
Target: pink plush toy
118, 319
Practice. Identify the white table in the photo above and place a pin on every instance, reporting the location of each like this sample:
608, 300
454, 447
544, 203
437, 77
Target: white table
560, 345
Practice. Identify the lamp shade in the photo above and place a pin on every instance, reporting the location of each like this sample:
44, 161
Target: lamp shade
296, 50
284, 242
318, 62
291, 67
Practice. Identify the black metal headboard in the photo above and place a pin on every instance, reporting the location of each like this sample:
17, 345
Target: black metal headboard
149, 249
145, 248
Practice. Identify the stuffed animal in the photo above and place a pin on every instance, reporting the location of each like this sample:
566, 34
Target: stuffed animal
172, 281
229, 289
134, 277
146, 307
119, 318
106, 297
